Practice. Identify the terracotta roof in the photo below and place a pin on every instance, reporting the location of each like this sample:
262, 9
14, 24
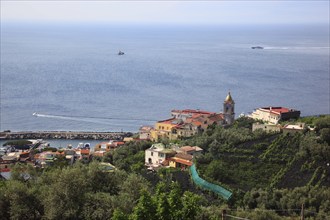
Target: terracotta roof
145, 128
190, 148
197, 123
167, 151
99, 153
192, 111
216, 117
181, 161
184, 156
173, 121
277, 110
84, 151
187, 148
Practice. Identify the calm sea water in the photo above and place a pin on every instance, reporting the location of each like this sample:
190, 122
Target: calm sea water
72, 76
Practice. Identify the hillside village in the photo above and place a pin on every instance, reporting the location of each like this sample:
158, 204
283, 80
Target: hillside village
183, 124
209, 153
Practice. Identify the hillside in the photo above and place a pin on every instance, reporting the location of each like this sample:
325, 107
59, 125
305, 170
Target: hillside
242, 159
271, 176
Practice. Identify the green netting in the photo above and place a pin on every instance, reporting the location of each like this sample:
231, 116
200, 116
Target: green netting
209, 186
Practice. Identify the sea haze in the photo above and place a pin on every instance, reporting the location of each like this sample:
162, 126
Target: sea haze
72, 76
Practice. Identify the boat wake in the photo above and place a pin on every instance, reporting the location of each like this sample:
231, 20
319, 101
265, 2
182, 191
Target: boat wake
296, 48
98, 120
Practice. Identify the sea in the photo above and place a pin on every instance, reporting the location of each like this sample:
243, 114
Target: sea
69, 77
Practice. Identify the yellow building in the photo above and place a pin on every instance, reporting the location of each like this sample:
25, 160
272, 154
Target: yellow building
163, 129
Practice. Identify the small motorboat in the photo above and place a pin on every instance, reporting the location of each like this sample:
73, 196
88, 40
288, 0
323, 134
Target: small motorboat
257, 47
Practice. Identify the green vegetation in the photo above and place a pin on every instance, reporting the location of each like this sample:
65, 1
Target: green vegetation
17, 143
271, 175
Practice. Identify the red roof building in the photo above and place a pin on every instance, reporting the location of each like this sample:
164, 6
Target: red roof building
274, 114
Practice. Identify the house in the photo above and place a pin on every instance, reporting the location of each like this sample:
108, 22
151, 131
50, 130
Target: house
266, 127
163, 129
83, 155
273, 115
185, 130
181, 160
46, 158
188, 113
158, 154
288, 128
188, 122
11, 157
189, 150
107, 146
145, 132
178, 157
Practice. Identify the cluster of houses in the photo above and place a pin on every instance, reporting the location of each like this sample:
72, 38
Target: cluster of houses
43, 156
188, 122
159, 155
181, 124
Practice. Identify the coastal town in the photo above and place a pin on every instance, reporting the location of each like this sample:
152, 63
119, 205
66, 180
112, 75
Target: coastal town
181, 125
212, 154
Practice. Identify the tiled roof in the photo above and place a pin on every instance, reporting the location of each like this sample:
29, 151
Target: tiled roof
190, 148
216, 117
184, 156
84, 151
173, 121
181, 161
192, 111
187, 148
197, 123
145, 128
277, 110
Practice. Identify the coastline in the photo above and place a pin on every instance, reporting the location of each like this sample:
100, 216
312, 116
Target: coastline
69, 135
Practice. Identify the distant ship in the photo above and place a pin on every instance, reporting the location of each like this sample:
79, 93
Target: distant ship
257, 47
121, 53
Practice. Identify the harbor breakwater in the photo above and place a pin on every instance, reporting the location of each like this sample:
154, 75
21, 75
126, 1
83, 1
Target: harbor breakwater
64, 135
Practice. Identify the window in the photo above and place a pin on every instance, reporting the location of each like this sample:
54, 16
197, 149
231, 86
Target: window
152, 153
161, 155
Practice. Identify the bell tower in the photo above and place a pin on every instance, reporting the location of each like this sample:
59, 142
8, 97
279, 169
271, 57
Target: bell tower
229, 109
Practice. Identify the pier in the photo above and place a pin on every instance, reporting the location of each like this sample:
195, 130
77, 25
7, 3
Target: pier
64, 135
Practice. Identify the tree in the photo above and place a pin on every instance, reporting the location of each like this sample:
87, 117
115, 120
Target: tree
119, 215
190, 205
130, 192
145, 209
325, 135
175, 202
163, 207
23, 201
97, 206
62, 192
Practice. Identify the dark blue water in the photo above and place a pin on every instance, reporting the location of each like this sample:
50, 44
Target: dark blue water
64, 71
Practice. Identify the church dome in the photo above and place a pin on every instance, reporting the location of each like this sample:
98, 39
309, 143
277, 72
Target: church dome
229, 99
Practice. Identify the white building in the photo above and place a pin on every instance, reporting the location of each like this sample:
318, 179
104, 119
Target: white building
274, 114
157, 154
